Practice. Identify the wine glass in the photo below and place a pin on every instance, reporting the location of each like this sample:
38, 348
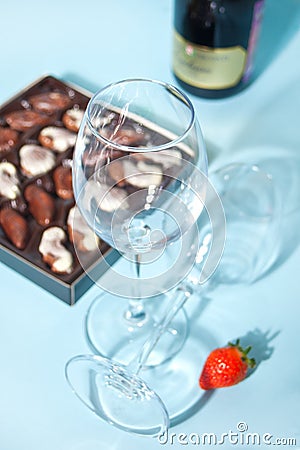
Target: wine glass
252, 204
139, 177
252, 210
116, 393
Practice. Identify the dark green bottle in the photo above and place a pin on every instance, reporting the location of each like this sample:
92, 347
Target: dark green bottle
214, 44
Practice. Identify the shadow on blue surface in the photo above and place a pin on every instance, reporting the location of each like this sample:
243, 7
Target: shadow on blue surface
198, 405
260, 342
280, 24
81, 81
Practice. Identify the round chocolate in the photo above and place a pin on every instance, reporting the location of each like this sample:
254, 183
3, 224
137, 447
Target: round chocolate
23, 120
8, 139
49, 102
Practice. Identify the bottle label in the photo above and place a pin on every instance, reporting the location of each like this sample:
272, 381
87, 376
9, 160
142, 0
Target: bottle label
207, 68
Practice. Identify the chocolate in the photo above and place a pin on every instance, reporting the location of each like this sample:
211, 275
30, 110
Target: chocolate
72, 119
24, 120
80, 234
125, 136
106, 197
54, 253
139, 174
57, 139
100, 157
15, 227
26, 166
116, 171
8, 139
36, 160
9, 181
166, 158
46, 182
49, 102
41, 204
62, 177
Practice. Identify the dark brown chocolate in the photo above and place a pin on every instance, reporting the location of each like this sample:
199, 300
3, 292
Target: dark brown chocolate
15, 227
62, 177
49, 102
24, 120
41, 204
8, 139
128, 137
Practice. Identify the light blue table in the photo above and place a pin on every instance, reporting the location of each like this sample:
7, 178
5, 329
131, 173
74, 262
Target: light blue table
93, 43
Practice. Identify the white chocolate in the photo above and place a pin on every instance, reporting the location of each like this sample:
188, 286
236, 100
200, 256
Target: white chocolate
76, 115
62, 139
101, 122
141, 175
167, 158
51, 245
76, 222
9, 181
107, 198
36, 160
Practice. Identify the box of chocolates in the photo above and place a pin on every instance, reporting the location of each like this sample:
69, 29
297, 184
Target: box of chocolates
38, 230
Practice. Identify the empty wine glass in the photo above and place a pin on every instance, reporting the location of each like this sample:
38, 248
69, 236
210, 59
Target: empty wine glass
139, 182
116, 393
252, 211
252, 207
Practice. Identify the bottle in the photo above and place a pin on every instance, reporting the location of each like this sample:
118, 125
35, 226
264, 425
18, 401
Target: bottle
214, 43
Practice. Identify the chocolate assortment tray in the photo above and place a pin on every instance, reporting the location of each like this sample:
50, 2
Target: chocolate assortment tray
37, 228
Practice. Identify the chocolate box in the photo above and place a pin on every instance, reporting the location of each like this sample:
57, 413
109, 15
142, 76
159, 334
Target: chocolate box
28, 261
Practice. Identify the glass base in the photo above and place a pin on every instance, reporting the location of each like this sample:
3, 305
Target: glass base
149, 403
116, 395
112, 335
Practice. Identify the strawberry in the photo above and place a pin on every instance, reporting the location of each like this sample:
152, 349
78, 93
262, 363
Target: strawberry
226, 366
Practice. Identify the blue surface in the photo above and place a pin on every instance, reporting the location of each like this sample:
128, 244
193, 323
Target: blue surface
93, 43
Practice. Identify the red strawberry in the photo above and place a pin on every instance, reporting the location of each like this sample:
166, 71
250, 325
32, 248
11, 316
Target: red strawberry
226, 366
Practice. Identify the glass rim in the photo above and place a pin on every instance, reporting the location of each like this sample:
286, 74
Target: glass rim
126, 148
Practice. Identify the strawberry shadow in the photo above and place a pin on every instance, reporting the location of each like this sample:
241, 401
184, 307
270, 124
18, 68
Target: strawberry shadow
261, 348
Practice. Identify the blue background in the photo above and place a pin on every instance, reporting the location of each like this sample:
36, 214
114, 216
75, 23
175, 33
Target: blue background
93, 43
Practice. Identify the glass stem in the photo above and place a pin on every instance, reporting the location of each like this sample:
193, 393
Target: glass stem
135, 313
181, 295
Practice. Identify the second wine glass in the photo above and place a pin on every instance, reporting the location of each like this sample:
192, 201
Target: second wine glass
139, 179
